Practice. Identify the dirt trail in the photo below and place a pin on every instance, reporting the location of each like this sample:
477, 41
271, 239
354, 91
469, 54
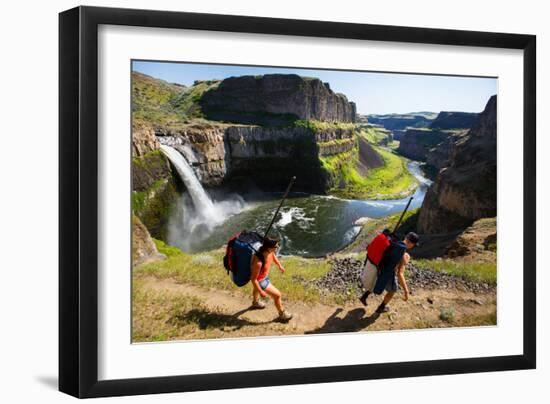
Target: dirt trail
228, 313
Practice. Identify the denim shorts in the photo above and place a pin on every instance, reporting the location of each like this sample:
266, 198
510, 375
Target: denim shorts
392, 284
264, 283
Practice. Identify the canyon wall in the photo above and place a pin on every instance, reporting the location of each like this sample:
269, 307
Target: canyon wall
465, 190
203, 146
417, 143
275, 98
267, 156
154, 187
454, 120
402, 121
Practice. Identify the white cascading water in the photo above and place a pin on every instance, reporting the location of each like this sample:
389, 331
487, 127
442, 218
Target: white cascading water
208, 214
203, 204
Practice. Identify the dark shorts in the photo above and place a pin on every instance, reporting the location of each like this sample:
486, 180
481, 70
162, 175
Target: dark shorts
264, 283
392, 285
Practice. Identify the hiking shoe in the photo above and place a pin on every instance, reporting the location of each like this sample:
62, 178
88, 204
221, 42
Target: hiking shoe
258, 304
285, 316
382, 309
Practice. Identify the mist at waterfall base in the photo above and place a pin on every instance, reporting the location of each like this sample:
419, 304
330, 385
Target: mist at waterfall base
197, 216
308, 225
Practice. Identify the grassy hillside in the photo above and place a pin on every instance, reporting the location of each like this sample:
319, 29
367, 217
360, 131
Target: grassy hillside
165, 104
375, 135
206, 270
390, 181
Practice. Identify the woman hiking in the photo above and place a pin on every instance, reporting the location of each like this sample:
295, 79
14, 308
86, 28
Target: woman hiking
261, 286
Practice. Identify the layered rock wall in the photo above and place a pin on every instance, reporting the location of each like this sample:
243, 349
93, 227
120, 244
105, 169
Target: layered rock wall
454, 120
467, 189
252, 98
203, 147
417, 143
440, 156
268, 156
143, 140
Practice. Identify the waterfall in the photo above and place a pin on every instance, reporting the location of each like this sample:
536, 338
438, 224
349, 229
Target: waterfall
203, 204
200, 220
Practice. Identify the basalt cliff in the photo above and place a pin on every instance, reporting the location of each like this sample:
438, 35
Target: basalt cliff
454, 120
417, 144
465, 190
274, 99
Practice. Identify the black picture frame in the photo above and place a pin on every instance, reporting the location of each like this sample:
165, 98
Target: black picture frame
78, 201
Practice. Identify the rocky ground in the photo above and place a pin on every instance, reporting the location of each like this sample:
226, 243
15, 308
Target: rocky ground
344, 277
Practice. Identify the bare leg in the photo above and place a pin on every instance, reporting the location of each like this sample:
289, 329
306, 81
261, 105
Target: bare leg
255, 294
382, 308
388, 297
276, 296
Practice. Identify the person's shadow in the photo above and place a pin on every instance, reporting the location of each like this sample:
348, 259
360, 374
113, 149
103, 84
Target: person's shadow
354, 320
206, 319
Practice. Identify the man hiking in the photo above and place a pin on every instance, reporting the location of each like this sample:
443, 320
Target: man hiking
391, 287
389, 273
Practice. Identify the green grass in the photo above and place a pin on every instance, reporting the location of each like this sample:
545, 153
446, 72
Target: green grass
187, 102
393, 145
206, 269
335, 142
154, 314
448, 318
476, 271
167, 249
447, 314
160, 103
374, 135
392, 180
317, 126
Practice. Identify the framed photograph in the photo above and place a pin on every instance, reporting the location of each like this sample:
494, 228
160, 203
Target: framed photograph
251, 201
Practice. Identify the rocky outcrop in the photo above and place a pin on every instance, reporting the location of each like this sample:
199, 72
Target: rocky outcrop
223, 154
143, 140
478, 239
398, 134
271, 156
368, 157
417, 143
454, 120
440, 156
402, 121
143, 248
203, 146
466, 190
274, 99
154, 192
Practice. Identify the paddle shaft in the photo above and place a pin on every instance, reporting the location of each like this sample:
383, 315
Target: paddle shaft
280, 205
402, 214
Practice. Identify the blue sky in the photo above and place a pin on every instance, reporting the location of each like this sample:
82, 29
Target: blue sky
374, 93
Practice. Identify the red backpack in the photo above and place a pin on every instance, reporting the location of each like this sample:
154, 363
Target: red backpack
377, 247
